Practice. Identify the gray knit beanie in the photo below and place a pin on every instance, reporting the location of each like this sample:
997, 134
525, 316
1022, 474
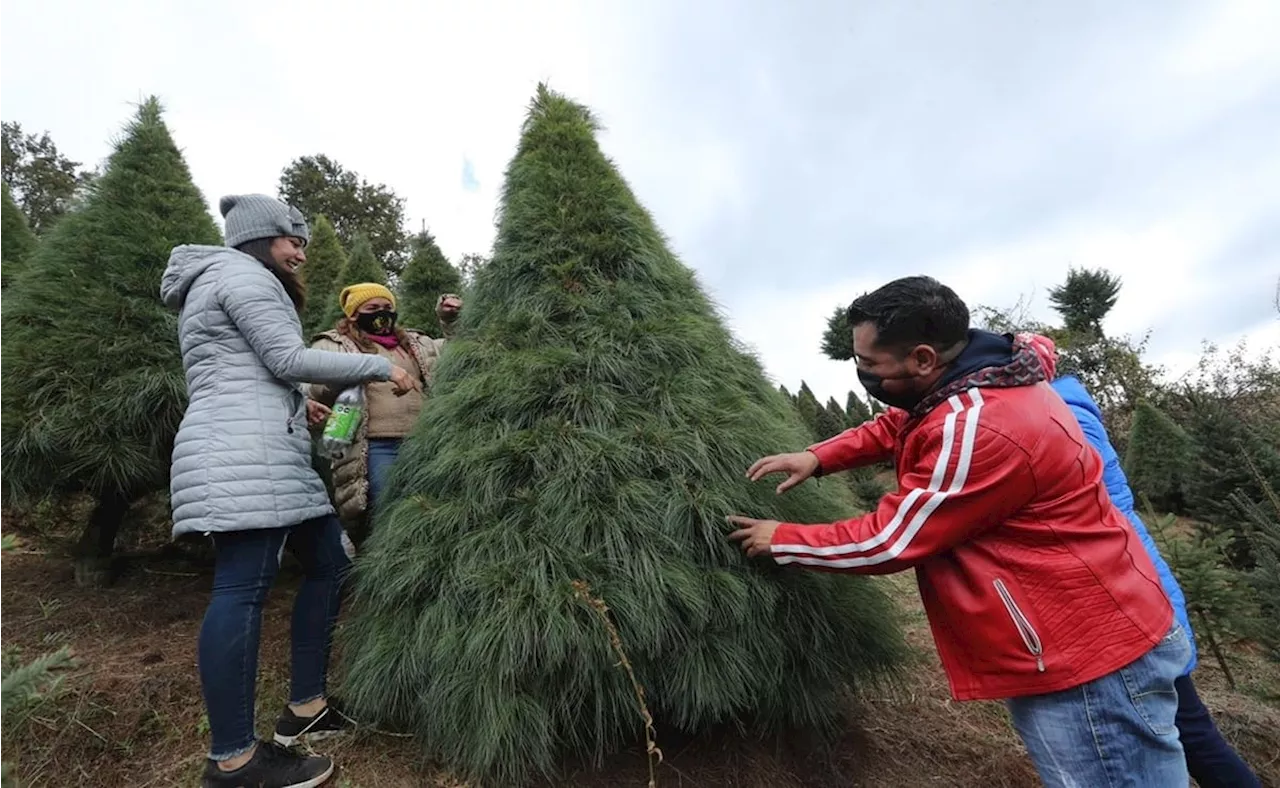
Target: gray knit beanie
253, 216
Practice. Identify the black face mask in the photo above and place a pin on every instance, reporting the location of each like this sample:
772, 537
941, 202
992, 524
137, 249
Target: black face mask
381, 323
874, 384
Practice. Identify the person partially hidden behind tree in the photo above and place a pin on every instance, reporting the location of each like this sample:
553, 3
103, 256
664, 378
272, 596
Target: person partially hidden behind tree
1037, 589
369, 326
1210, 759
242, 473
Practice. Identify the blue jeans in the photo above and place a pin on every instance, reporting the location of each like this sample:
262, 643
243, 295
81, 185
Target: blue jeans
1210, 759
1119, 730
382, 454
247, 564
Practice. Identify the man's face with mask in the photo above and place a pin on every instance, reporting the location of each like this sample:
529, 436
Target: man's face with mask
898, 376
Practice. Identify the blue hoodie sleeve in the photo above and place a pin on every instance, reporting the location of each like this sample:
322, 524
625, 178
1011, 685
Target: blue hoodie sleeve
1118, 488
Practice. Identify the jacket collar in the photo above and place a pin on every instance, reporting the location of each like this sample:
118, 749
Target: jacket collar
989, 361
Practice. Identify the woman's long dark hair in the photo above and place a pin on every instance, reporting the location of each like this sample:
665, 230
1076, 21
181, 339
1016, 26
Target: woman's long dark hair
260, 249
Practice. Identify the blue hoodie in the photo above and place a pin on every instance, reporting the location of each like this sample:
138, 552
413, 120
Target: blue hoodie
1089, 416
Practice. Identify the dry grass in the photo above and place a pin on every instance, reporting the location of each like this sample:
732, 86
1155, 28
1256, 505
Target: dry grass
131, 713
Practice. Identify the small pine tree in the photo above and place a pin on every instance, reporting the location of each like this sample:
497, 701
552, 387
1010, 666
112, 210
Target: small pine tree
1228, 452
855, 410
831, 419
1222, 609
1261, 524
809, 408
427, 276
25, 689
94, 387
361, 266
836, 411
26, 686
326, 263
1159, 457
837, 339
555, 526
783, 391
18, 242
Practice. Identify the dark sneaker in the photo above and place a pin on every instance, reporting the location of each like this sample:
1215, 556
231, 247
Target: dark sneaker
272, 766
291, 729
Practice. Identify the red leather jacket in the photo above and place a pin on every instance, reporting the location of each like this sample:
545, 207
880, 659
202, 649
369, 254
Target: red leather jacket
1032, 581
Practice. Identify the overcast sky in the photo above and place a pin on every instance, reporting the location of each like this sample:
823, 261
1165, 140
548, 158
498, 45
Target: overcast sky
794, 158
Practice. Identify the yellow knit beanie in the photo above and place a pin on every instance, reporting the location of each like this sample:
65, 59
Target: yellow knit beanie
352, 297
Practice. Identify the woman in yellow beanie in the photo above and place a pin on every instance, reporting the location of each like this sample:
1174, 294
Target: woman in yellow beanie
369, 326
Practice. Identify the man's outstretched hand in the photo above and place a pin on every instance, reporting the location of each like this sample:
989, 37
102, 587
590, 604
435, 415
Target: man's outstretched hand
798, 466
755, 535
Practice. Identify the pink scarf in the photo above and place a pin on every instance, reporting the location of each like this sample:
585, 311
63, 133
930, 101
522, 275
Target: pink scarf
390, 341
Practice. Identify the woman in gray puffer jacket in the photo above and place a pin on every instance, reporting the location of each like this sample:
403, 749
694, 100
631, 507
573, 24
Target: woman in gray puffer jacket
242, 473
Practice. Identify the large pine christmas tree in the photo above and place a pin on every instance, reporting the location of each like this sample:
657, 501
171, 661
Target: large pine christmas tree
326, 262
18, 242
427, 276
587, 434
93, 382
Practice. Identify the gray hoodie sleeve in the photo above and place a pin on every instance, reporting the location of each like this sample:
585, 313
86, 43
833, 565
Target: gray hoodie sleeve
252, 301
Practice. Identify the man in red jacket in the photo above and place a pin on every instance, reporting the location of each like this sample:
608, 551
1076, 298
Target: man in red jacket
1038, 591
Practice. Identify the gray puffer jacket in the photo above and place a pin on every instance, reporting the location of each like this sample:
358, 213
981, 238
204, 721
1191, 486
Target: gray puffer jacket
242, 458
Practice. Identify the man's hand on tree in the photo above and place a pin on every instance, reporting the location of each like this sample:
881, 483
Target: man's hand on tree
798, 466
755, 535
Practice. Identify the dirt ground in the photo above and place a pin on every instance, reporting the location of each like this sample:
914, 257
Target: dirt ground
130, 714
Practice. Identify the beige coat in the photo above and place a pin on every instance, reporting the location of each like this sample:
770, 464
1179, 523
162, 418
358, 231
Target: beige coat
351, 470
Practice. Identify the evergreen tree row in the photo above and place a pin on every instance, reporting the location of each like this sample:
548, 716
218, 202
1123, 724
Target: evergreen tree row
330, 268
827, 421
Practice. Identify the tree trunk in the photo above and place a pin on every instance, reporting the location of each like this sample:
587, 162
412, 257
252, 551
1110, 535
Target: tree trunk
94, 565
